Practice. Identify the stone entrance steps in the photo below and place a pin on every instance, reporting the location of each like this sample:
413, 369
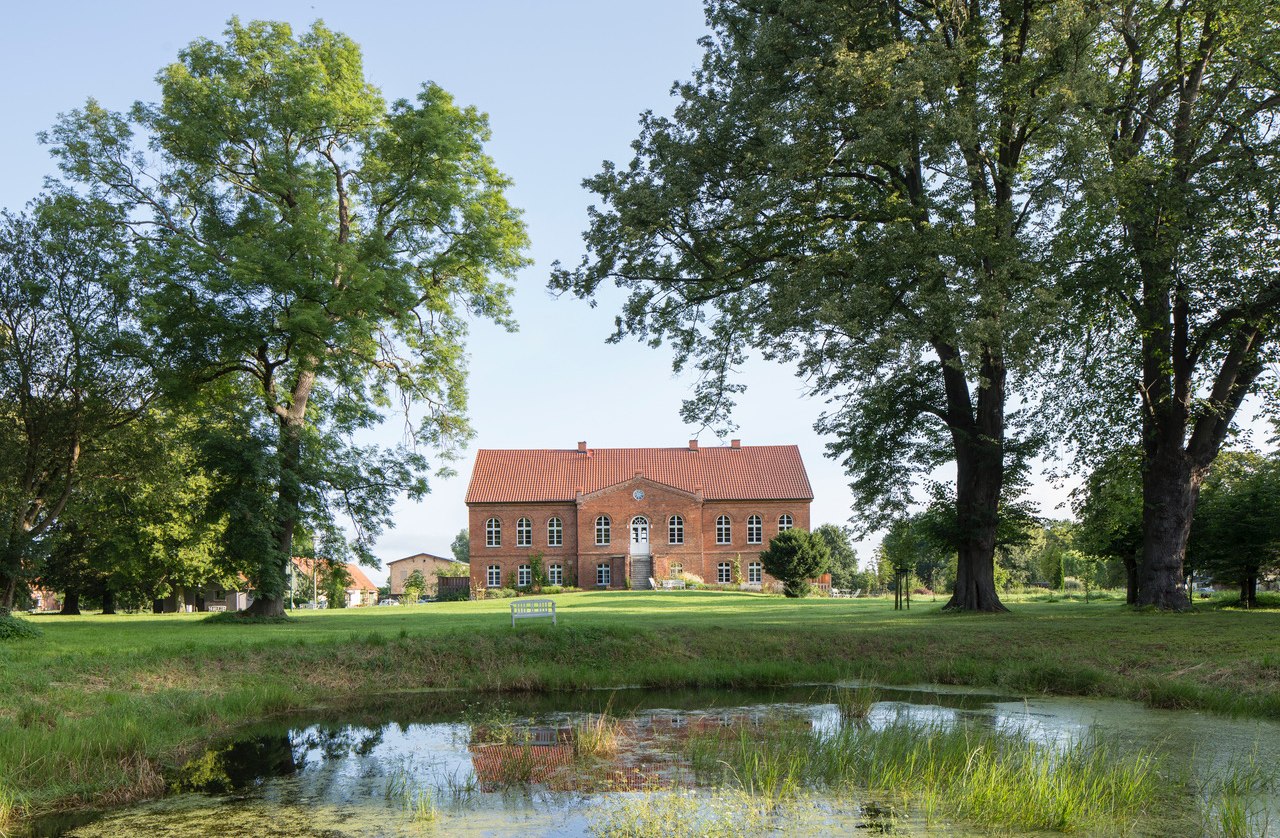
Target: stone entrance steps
641, 572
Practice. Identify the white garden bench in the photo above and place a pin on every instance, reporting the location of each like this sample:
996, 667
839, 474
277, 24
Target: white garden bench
522, 608
673, 584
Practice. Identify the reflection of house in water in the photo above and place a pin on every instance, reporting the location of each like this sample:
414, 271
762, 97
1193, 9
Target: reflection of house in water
646, 754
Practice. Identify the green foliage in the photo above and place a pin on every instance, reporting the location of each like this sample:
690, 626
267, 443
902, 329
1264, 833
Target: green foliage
414, 585
16, 628
1235, 535
537, 571
334, 581
71, 371
794, 557
843, 565
337, 247
461, 546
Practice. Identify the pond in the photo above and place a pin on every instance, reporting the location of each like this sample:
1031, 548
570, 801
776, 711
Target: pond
816, 760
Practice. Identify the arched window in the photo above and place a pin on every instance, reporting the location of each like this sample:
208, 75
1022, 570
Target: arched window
555, 533
524, 576
602, 530
494, 579
723, 574
784, 522
755, 530
724, 533
493, 533
524, 533
674, 570
675, 530
755, 573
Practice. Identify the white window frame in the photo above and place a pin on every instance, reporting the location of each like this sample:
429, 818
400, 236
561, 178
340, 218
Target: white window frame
675, 569
493, 578
755, 529
524, 576
555, 574
724, 530
604, 530
604, 574
524, 533
724, 573
755, 573
555, 532
493, 533
675, 530
785, 522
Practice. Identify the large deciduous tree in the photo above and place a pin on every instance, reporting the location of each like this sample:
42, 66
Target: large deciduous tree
69, 369
315, 252
1176, 232
860, 188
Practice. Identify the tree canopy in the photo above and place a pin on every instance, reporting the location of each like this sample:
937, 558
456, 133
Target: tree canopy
311, 255
859, 189
796, 556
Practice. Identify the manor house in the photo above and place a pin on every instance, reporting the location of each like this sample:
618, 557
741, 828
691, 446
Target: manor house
606, 517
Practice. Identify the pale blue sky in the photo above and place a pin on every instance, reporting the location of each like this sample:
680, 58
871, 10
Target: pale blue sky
563, 84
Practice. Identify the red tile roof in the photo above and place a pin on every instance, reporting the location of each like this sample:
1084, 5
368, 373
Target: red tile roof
359, 582
750, 472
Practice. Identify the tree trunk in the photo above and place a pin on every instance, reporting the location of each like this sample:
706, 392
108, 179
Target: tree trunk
1131, 580
979, 474
1249, 588
71, 604
108, 600
1170, 488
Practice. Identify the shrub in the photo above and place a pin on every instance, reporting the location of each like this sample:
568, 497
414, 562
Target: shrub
502, 593
16, 628
796, 556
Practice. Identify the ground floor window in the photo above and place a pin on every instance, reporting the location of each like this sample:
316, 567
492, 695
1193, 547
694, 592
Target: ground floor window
555, 574
524, 575
723, 573
494, 579
602, 574
755, 573
674, 570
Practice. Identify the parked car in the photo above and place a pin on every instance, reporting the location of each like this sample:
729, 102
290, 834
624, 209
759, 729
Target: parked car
389, 602
1205, 592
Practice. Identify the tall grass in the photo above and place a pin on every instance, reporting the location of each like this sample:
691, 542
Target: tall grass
10, 808
983, 776
596, 737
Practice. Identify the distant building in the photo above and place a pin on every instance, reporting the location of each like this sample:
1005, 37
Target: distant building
601, 517
308, 582
429, 565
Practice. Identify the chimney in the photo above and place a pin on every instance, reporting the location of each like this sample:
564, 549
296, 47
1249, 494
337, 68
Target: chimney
582, 447
735, 443
693, 445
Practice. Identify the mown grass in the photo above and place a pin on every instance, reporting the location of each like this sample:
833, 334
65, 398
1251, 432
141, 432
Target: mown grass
100, 709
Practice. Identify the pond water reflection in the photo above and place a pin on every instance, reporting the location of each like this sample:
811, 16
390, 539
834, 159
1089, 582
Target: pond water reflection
618, 762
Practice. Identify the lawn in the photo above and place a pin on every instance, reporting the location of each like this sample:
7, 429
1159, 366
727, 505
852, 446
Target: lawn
99, 709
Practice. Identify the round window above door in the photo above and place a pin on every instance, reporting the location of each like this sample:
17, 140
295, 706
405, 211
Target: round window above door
638, 494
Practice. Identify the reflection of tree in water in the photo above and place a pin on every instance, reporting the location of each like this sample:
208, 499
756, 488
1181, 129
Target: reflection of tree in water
245, 763
241, 765
335, 742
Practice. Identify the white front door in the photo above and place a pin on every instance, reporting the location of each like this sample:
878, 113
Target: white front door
640, 536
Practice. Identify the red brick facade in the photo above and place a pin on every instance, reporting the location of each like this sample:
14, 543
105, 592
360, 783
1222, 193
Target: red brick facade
697, 547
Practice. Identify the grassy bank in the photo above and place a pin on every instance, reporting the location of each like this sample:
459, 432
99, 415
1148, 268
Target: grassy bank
99, 709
